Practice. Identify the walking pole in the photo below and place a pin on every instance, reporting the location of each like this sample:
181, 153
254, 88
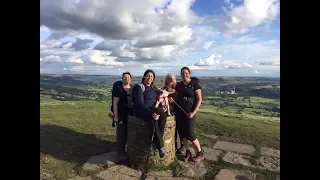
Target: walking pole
181, 108
145, 172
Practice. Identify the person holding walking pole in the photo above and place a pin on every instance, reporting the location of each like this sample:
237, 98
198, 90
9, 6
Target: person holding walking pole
144, 96
188, 100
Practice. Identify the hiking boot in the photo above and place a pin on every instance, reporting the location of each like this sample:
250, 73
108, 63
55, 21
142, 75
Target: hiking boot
122, 156
187, 156
162, 153
154, 146
198, 157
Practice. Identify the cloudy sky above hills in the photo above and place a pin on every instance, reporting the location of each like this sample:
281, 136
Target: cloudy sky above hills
211, 37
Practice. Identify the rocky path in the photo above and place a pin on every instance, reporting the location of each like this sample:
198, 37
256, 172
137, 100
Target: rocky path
108, 166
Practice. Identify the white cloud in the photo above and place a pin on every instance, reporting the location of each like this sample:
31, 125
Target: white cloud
116, 19
102, 34
177, 35
50, 59
207, 45
239, 19
74, 60
251, 14
214, 61
96, 57
210, 60
44, 29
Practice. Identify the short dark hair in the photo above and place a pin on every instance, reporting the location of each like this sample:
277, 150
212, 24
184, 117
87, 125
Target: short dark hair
185, 68
126, 73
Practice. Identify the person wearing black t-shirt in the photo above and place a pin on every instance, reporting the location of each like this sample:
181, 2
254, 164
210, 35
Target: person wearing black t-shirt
122, 108
189, 98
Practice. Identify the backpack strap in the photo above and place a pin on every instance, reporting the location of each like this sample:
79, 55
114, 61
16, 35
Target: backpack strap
142, 86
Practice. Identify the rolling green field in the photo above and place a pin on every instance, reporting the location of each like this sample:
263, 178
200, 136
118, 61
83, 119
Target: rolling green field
71, 131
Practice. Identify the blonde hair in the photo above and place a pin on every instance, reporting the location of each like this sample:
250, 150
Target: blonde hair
166, 83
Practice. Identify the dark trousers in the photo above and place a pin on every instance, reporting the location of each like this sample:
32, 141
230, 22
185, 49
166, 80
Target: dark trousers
158, 127
122, 130
176, 139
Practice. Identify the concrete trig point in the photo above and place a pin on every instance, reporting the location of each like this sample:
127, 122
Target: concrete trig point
139, 143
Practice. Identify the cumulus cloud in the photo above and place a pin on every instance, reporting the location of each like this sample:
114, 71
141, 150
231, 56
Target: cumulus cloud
105, 33
210, 60
207, 45
214, 61
81, 44
116, 19
153, 30
50, 59
239, 19
96, 57
177, 35
251, 14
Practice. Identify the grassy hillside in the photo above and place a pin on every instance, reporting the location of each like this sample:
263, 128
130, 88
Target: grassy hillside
74, 124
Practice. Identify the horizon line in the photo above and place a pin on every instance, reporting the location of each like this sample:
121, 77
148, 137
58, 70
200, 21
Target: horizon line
158, 75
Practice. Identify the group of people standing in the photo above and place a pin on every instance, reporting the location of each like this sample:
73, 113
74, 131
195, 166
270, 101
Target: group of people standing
139, 101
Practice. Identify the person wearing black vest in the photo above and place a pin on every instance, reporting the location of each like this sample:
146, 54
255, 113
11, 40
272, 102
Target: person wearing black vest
144, 100
122, 108
189, 98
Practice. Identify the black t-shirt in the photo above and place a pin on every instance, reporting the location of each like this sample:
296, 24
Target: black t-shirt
186, 97
123, 109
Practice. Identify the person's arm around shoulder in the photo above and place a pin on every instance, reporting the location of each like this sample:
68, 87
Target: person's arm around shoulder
198, 95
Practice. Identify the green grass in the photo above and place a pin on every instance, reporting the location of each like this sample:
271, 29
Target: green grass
69, 136
239, 130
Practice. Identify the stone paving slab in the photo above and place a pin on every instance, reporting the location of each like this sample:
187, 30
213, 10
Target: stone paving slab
239, 148
119, 172
81, 178
167, 173
233, 174
166, 178
236, 158
191, 169
265, 151
211, 154
269, 163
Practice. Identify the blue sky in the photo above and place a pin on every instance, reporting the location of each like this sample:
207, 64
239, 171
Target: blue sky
211, 37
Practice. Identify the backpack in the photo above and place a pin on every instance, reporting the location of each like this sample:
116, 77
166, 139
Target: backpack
195, 79
117, 84
134, 88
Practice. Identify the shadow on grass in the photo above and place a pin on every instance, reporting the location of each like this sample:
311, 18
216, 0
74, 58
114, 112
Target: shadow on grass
66, 144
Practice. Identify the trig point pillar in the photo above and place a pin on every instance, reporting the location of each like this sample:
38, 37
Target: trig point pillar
139, 143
